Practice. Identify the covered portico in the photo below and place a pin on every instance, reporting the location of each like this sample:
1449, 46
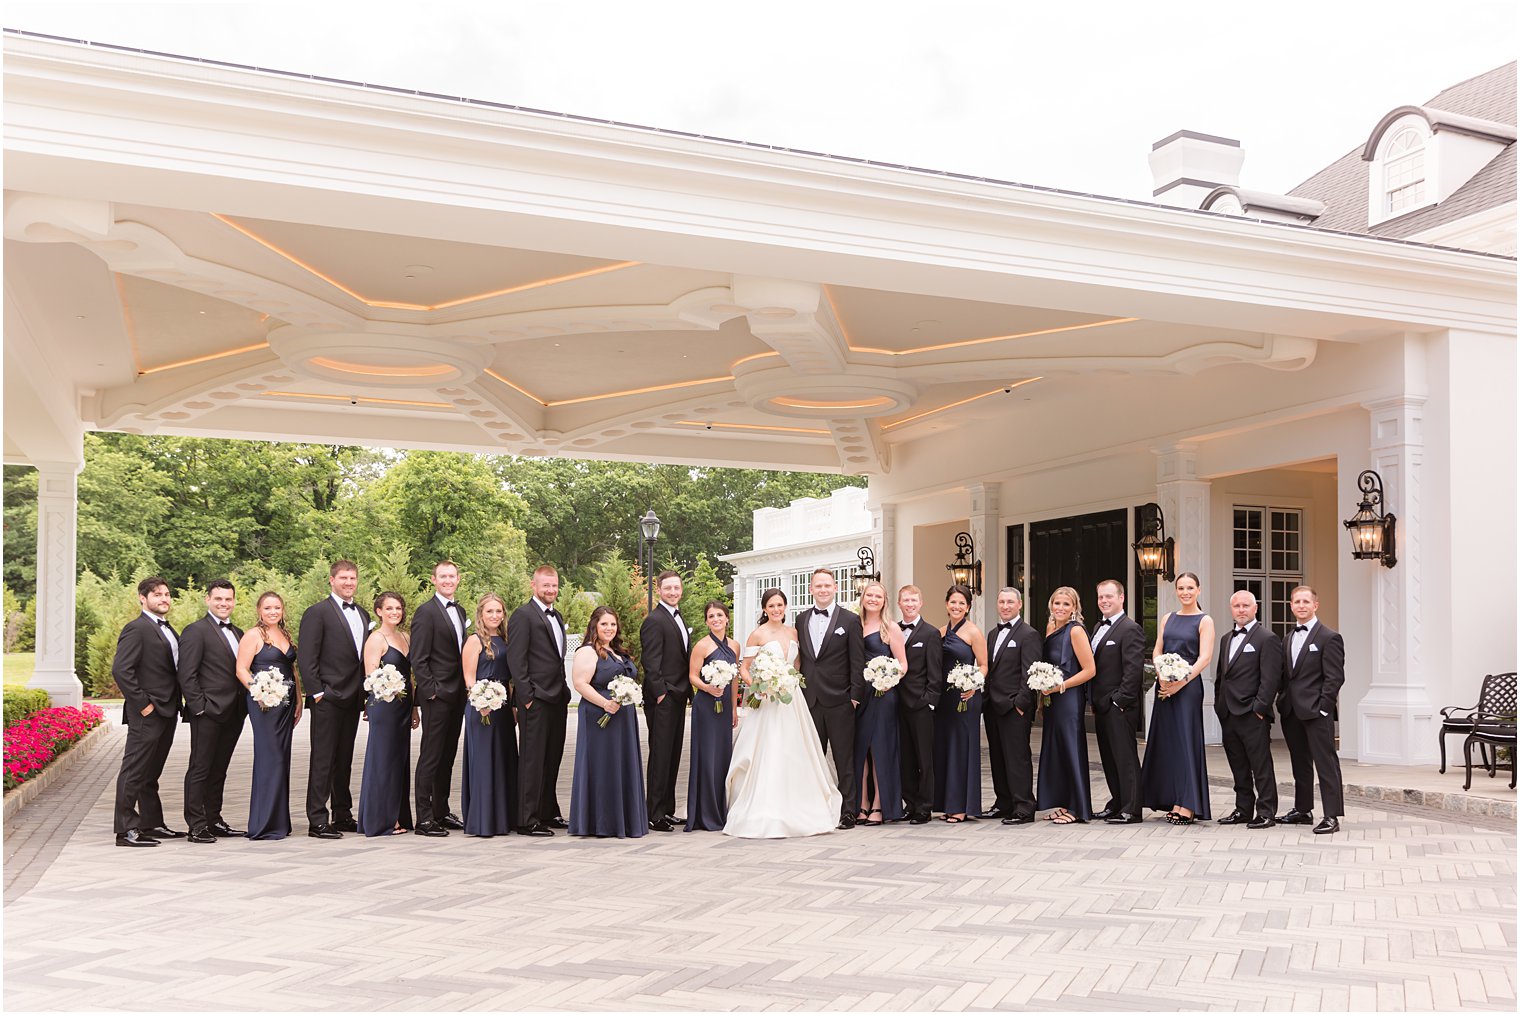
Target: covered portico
220, 251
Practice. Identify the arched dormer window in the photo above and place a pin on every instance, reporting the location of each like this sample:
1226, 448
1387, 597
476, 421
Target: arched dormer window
1403, 166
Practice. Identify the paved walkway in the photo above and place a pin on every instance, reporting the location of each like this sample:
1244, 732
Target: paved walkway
1408, 908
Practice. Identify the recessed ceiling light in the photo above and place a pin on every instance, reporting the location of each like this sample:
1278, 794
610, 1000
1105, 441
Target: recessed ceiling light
414, 270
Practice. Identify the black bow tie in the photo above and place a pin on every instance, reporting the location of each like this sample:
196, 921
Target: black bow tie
820, 611
1105, 622
905, 625
551, 611
1006, 625
161, 623
1237, 631
1301, 627
224, 625
350, 606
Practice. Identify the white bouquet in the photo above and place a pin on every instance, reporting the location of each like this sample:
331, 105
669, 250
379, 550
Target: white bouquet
386, 683
487, 696
883, 673
624, 691
719, 674
269, 689
771, 679
1045, 678
1172, 668
963, 678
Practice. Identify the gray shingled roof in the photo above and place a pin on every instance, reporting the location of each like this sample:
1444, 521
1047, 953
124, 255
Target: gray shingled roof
1342, 185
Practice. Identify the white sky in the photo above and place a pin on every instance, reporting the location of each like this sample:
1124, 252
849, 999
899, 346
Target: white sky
1063, 95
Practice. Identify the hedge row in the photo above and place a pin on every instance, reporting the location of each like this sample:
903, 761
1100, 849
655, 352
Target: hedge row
21, 702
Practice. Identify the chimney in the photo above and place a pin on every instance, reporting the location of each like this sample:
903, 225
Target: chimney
1188, 165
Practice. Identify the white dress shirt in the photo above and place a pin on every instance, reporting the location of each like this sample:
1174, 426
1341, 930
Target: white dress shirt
456, 617
163, 629
680, 624
559, 637
355, 625
818, 626
1235, 642
226, 631
1301, 638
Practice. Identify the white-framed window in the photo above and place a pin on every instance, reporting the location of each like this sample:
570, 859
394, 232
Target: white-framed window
844, 578
801, 595
1404, 172
1267, 558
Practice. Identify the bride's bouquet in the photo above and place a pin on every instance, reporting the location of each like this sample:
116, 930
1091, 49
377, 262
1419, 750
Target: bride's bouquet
719, 674
1171, 668
269, 689
1045, 678
771, 679
488, 696
624, 691
385, 684
963, 678
883, 673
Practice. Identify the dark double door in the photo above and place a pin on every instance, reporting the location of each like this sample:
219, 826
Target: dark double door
1079, 551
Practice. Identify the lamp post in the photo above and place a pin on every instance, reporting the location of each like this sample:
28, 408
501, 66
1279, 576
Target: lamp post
1155, 551
966, 570
866, 572
1371, 530
649, 528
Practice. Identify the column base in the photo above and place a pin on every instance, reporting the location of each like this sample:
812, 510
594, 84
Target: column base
1397, 726
61, 685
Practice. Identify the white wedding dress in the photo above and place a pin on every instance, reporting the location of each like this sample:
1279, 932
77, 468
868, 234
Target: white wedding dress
779, 785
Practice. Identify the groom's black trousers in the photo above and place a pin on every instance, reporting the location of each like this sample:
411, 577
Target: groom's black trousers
916, 726
836, 732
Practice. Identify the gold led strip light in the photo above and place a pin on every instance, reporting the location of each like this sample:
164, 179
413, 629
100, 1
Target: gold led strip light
964, 401
358, 398
144, 371
609, 394
749, 426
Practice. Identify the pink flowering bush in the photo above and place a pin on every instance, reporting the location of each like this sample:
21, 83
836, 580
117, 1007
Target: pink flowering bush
39, 738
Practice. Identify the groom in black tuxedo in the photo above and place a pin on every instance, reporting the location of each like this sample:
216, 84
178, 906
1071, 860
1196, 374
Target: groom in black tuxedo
1250, 670
438, 627
330, 653
1314, 670
536, 661
917, 692
831, 654
665, 646
1118, 648
1012, 647
216, 705
147, 654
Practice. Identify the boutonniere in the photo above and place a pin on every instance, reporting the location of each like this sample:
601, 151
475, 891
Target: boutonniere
467, 623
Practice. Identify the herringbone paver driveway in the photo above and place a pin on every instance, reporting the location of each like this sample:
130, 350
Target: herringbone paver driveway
1403, 910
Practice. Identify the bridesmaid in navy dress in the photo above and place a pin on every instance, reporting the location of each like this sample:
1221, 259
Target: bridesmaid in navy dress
957, 734
385, 806
1175, 775
489, 786
712, 731
878, 744
1064, 782
607, 792
267, 645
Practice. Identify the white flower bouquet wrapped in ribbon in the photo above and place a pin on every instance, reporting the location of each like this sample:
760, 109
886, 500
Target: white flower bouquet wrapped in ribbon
963, 678
1045, 679
624, 691
771, 679
488, 696
1171, 668
719, 674
269, 689
385, 684
883, 673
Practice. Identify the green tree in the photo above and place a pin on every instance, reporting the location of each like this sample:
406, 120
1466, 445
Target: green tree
703, 585
622, 587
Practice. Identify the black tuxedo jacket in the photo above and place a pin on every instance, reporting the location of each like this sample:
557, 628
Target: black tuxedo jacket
1313, 685
836, 675
1008, 670
534, 660
437, 669
330, 663
144, 669
924, 679
1250, 682
663, 655
208, 671
1121, 667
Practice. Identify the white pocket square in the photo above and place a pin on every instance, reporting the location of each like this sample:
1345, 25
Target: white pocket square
839, 630
1249, 648
918, 644
1313, 648
1110, 643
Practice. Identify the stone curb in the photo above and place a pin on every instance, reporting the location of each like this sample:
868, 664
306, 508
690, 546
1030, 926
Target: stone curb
28, 791
1440, 800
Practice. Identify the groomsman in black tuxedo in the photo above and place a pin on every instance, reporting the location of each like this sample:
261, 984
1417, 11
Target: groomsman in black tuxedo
1310, 704
1118, 647
665, 645
536, 661
917, 692
438, 627
216, 705
331, 657
831, 654
1250, 671
147, 654
1012, 647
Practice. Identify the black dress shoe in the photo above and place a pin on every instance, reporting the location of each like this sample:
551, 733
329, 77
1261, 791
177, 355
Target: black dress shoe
132, 837
1120, 818
161, 832
432, 830
1327, 826
221, 830
537, 831
1266, 821
324, 832
1297, 817
451, 821
661, 825
346, 825
556, 822
996, 812
1104, 814
918, 819
676, 820
1019, 819
846, 822
1233, 818
200, 837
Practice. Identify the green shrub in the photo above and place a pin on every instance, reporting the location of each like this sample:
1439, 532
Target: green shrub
21, 702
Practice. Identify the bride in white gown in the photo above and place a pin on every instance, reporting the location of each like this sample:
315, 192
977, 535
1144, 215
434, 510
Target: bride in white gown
779, 785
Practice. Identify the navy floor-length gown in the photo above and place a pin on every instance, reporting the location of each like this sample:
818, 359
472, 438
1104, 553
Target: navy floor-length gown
385, 788
877, 739
712, 748
1175, 773
607, 791
957, 738
489, 788
269, 799
1064, 779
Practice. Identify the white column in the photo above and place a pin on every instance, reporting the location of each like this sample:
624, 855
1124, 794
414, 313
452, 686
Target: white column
1395, 719
1184, 501
883, 545
57, 511
987, 536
